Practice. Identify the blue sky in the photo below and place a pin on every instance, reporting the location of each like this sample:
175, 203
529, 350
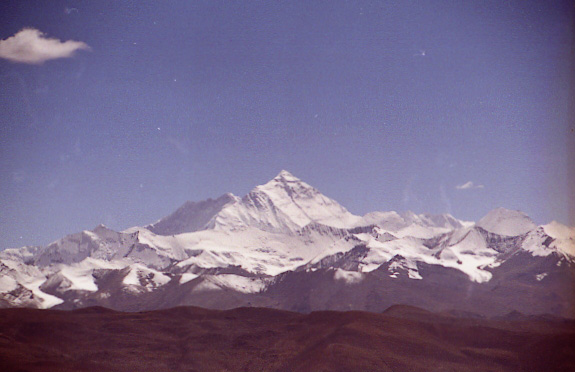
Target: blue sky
429, 106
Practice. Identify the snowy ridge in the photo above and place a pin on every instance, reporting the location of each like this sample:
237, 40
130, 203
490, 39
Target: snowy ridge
551, 238
192, 216
285, 204
564, 237
503, 221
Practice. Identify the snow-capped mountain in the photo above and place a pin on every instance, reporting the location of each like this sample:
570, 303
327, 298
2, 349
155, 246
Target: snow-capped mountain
286, 245
504, 222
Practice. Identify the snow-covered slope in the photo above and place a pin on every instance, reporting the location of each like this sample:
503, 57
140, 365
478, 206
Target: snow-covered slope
563, 237
506, 222
285, 204
192, 216
553, 238
249, 246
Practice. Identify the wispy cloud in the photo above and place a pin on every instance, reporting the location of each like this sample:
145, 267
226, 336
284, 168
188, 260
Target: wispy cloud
31, 46
468, 186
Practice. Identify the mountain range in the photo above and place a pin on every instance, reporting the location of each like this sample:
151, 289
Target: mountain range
285, 245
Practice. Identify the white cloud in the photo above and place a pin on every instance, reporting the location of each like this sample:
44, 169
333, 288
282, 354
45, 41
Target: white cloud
33, 47
468, 185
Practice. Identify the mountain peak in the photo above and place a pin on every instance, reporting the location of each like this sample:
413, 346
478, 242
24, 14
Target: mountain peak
192, 216
101, 227
507, 222
285, 177
286, 202
285, 182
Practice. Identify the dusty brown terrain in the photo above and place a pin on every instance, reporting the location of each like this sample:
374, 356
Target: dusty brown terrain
257, 339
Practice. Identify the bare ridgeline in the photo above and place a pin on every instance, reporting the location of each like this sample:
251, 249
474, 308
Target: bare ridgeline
498, 291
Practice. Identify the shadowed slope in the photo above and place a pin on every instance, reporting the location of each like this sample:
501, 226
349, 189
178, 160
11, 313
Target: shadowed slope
259, 339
